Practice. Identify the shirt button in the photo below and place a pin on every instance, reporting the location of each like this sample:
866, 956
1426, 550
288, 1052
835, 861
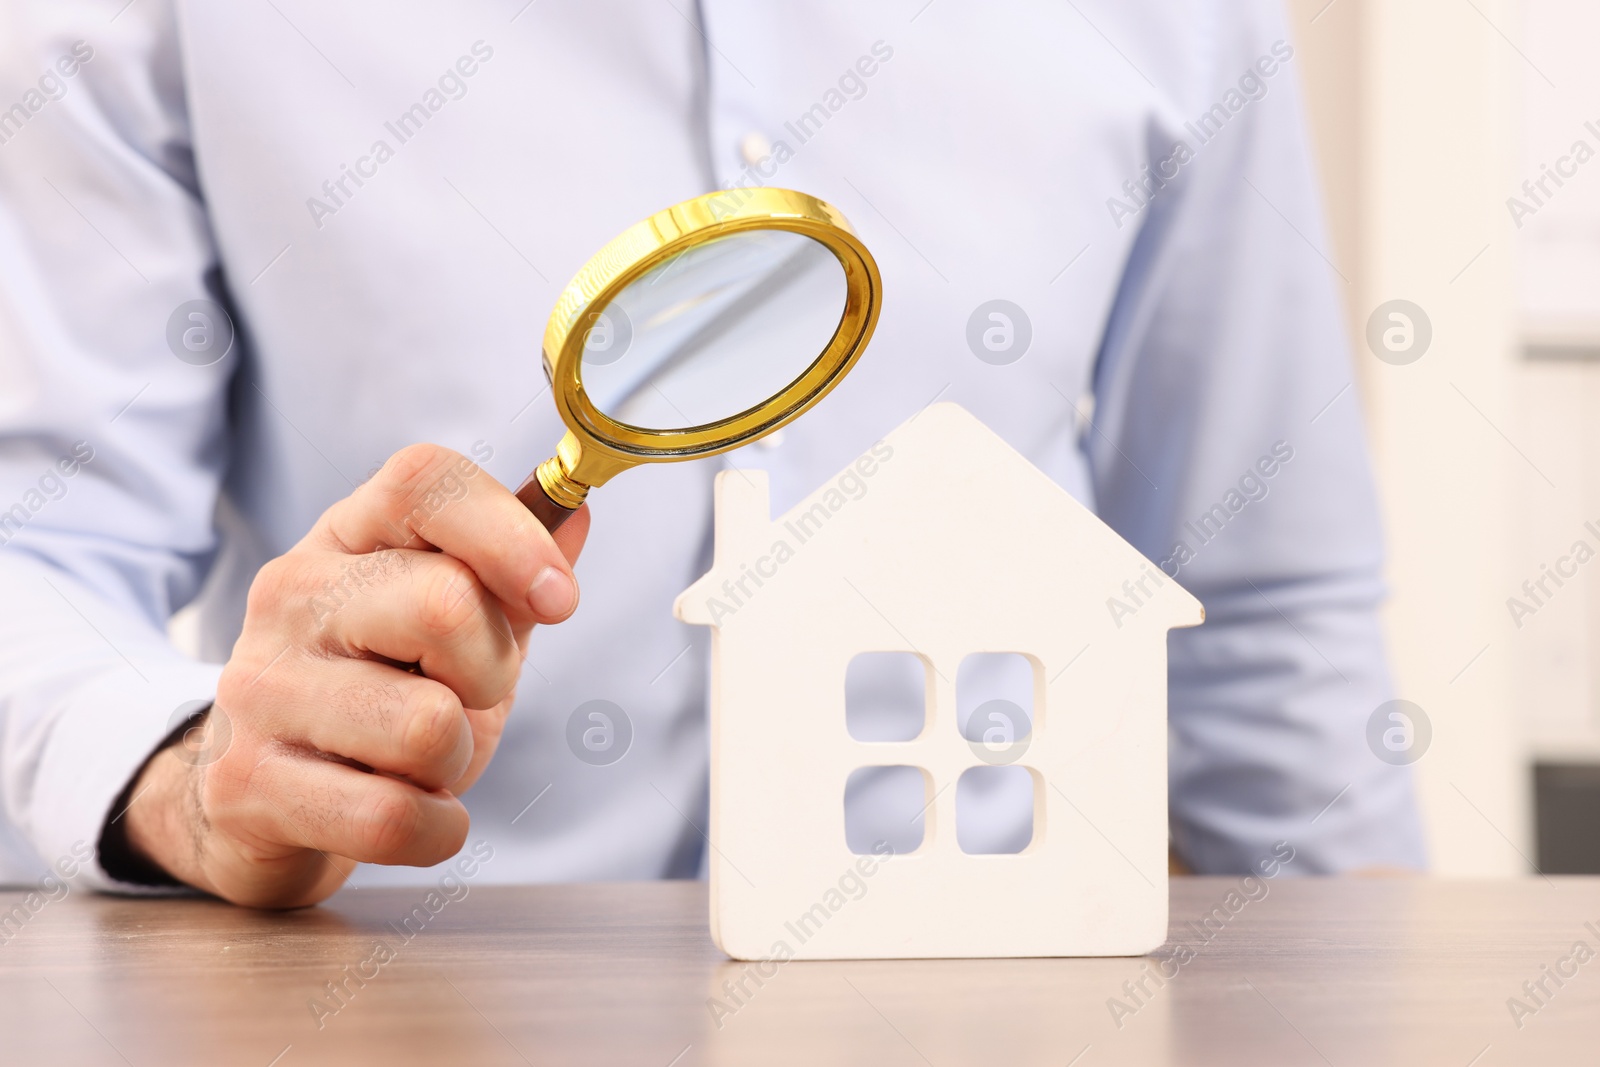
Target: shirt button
754, 147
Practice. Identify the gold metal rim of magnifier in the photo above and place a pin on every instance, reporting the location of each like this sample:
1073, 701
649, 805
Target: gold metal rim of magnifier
597, 447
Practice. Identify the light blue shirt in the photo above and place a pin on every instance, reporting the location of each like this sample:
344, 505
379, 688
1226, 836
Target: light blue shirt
392, 195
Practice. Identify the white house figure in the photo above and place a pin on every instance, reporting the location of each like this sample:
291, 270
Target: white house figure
941, 541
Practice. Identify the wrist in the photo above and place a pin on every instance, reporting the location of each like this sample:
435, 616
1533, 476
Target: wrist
160, 833
149, 836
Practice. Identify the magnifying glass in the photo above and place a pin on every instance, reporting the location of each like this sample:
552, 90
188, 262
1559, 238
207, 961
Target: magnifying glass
700, 329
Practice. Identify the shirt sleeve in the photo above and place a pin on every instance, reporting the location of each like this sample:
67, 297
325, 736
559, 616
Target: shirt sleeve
111, 447
1227, 445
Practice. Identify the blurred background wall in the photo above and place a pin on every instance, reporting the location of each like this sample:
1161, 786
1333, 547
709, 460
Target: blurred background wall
1428, 117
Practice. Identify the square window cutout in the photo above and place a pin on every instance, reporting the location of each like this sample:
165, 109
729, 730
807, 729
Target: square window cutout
886, 696
994, 704
994, 809
888, 805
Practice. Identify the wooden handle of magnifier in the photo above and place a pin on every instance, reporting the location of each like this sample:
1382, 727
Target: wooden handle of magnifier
547, 511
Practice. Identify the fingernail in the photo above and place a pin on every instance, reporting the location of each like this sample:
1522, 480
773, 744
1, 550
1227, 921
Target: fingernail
553, 594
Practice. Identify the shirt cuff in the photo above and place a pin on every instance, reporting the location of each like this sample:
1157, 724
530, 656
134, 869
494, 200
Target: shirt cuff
97, 743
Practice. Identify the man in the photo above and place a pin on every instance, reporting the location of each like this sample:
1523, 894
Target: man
389, 199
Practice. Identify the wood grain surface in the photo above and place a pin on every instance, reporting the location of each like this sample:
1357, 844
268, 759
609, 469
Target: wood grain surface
1330, 971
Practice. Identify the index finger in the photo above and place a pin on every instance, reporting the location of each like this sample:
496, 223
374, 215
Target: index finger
427, 496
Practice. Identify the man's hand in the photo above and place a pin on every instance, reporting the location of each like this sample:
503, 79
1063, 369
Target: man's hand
323, 749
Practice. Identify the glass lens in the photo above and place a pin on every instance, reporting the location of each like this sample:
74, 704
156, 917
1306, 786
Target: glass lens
714, 331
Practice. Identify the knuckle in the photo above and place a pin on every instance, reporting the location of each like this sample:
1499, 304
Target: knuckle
291, 587
385, 823
224, 787
233, 686
273, 583
432, 731
419, 481
415, 465
451, 603
253, 679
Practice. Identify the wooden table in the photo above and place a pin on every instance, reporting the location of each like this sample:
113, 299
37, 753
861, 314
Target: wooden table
1413, 972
